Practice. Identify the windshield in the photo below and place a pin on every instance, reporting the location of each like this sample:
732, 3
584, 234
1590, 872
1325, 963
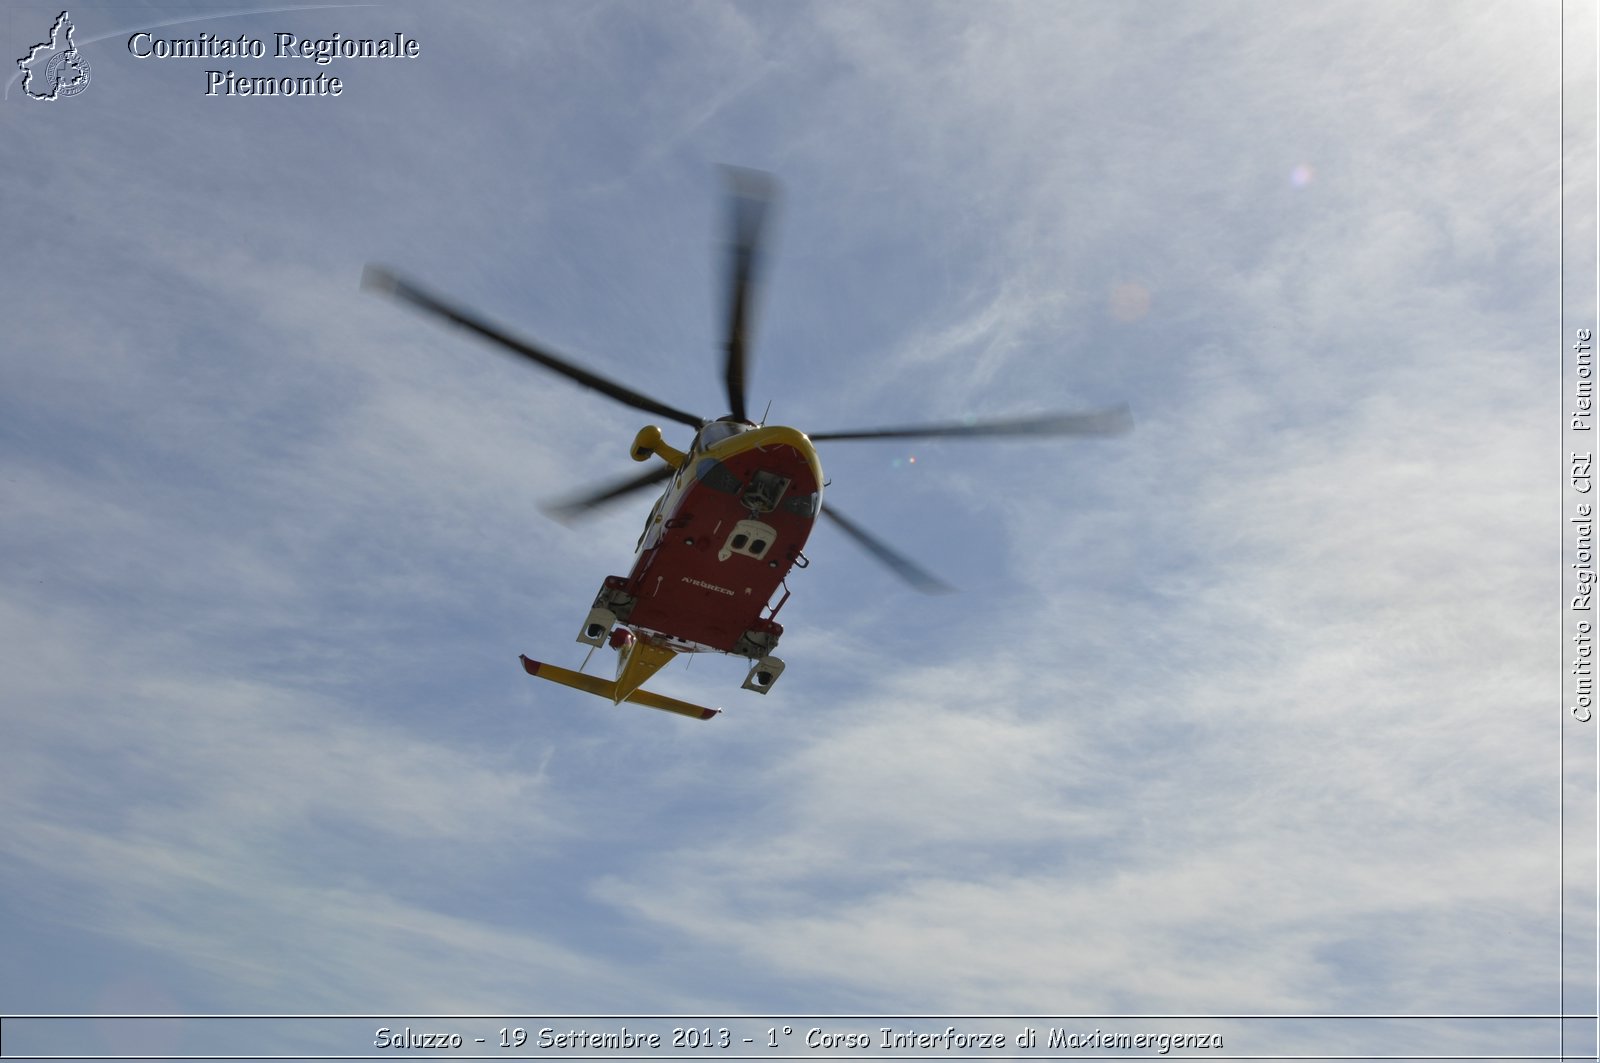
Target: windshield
717, 431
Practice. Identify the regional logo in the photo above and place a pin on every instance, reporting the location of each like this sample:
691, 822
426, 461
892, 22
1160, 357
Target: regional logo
55, 68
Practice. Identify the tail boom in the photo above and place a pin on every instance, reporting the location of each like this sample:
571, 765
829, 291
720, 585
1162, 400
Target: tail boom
607, 688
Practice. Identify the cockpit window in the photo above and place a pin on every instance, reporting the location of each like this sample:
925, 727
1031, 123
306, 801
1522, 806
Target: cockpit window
717, 431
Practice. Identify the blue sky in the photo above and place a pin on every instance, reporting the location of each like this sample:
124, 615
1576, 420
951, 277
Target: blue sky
1245, 711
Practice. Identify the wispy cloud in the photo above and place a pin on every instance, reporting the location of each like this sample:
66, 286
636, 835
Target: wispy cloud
1244, 716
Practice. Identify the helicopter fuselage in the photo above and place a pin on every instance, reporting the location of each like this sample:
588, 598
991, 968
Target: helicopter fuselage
730, 525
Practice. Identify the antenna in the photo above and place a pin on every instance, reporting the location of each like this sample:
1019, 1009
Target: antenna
766, 411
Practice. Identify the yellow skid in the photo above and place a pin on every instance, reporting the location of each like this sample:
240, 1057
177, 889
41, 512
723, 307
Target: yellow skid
607, 688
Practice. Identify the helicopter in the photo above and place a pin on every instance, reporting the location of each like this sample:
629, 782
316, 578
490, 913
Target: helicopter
740, 500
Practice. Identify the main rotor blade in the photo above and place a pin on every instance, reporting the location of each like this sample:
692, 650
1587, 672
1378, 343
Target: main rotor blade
380, 279
1111, 422
749, 194
573, 508
903, 567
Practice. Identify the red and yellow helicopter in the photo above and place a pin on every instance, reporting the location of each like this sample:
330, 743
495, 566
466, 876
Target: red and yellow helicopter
739, 503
